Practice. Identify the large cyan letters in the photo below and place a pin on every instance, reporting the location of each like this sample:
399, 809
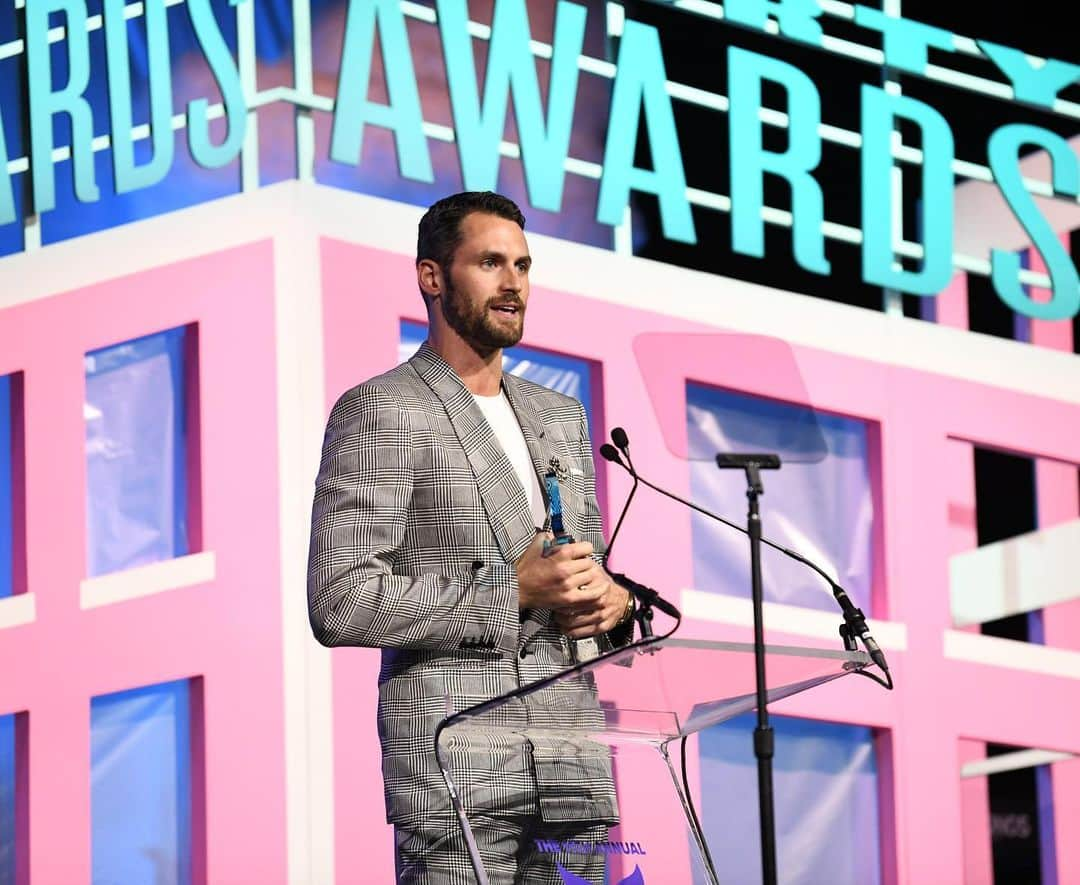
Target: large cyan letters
798, 19
511, 69
224, 69
44, 102
639, 82
7, 195
1039, 85
750, 161
879, 112
1004, 149
127, 176
353, 111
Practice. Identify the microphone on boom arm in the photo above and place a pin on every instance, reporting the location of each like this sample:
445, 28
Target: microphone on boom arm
645, 595
854, 619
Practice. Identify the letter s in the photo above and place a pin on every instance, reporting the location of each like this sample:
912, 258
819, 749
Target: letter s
225, 72
1004, 150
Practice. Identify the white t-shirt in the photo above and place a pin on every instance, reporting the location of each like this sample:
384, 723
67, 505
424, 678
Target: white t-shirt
500, 416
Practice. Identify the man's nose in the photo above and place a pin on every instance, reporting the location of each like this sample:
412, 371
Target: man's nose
513, 280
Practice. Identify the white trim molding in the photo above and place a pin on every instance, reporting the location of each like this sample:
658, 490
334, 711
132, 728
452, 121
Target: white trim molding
975, 648
1012, 762
17, 610
146, 580
1021, 574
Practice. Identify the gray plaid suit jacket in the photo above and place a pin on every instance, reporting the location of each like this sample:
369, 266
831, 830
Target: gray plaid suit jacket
417, 522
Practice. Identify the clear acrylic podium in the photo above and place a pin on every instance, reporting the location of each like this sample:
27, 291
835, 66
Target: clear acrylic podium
605, 728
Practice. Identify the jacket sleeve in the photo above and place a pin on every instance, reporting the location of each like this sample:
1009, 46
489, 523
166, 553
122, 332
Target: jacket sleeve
593, 524
362, 498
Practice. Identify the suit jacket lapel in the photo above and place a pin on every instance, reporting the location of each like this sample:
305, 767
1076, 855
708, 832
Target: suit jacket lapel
504, 499
539, 442
532, 428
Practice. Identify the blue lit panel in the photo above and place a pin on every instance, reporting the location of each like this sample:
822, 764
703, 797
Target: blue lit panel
820, 503
140, 785
826, 790
136, 453
7, 798
6, 516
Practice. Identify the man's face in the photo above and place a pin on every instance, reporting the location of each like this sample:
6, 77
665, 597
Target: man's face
487, 283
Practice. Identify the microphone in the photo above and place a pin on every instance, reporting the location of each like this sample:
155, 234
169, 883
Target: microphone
643, 594
856, 621
608, 453
618, 436
647, 595
853, 616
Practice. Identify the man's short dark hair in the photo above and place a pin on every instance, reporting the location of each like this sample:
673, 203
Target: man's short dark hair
440, 228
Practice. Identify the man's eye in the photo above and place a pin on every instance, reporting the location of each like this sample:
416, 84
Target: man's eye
523, 266
488, 262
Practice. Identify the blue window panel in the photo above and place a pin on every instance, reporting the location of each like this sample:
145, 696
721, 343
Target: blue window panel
7, 798
566, 374
136, 453
823, 509
140, 785
6, 515
826, 789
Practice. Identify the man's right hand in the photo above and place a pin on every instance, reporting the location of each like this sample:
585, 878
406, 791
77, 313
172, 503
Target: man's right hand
567, 578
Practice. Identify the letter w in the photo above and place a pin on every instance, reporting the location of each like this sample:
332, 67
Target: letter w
511, 68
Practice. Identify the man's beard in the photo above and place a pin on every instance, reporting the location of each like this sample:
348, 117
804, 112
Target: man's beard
476, 326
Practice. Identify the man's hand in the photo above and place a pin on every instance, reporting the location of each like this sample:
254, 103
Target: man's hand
567, 578
598, 617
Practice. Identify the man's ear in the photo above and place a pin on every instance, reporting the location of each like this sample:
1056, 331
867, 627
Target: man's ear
429, 277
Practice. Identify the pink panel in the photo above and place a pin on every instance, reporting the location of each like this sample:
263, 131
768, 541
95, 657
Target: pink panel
1058, 498
1056, 335
975, 801
227, 632
963, 531
364, 299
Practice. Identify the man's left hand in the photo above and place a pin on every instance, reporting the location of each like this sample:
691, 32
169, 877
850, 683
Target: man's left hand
596, 617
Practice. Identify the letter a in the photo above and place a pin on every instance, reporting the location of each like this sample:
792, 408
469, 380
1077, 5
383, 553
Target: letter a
639, 82
511, 69
353, 111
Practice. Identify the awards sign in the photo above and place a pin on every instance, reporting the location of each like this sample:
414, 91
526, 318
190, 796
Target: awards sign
641, 101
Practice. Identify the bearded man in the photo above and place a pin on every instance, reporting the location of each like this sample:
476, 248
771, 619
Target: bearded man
427, 541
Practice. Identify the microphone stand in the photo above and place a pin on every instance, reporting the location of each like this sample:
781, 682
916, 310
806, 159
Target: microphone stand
764, 743
645, 597
854, 620
854, 625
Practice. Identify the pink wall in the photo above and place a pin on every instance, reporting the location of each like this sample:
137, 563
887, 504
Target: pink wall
222, 632
227, 633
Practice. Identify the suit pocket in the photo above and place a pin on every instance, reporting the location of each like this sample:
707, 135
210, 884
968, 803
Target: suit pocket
574, 781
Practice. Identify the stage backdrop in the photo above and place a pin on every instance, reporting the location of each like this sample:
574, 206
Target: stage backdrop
843, 196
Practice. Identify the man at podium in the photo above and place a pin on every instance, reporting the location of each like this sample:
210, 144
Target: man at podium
431, 515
